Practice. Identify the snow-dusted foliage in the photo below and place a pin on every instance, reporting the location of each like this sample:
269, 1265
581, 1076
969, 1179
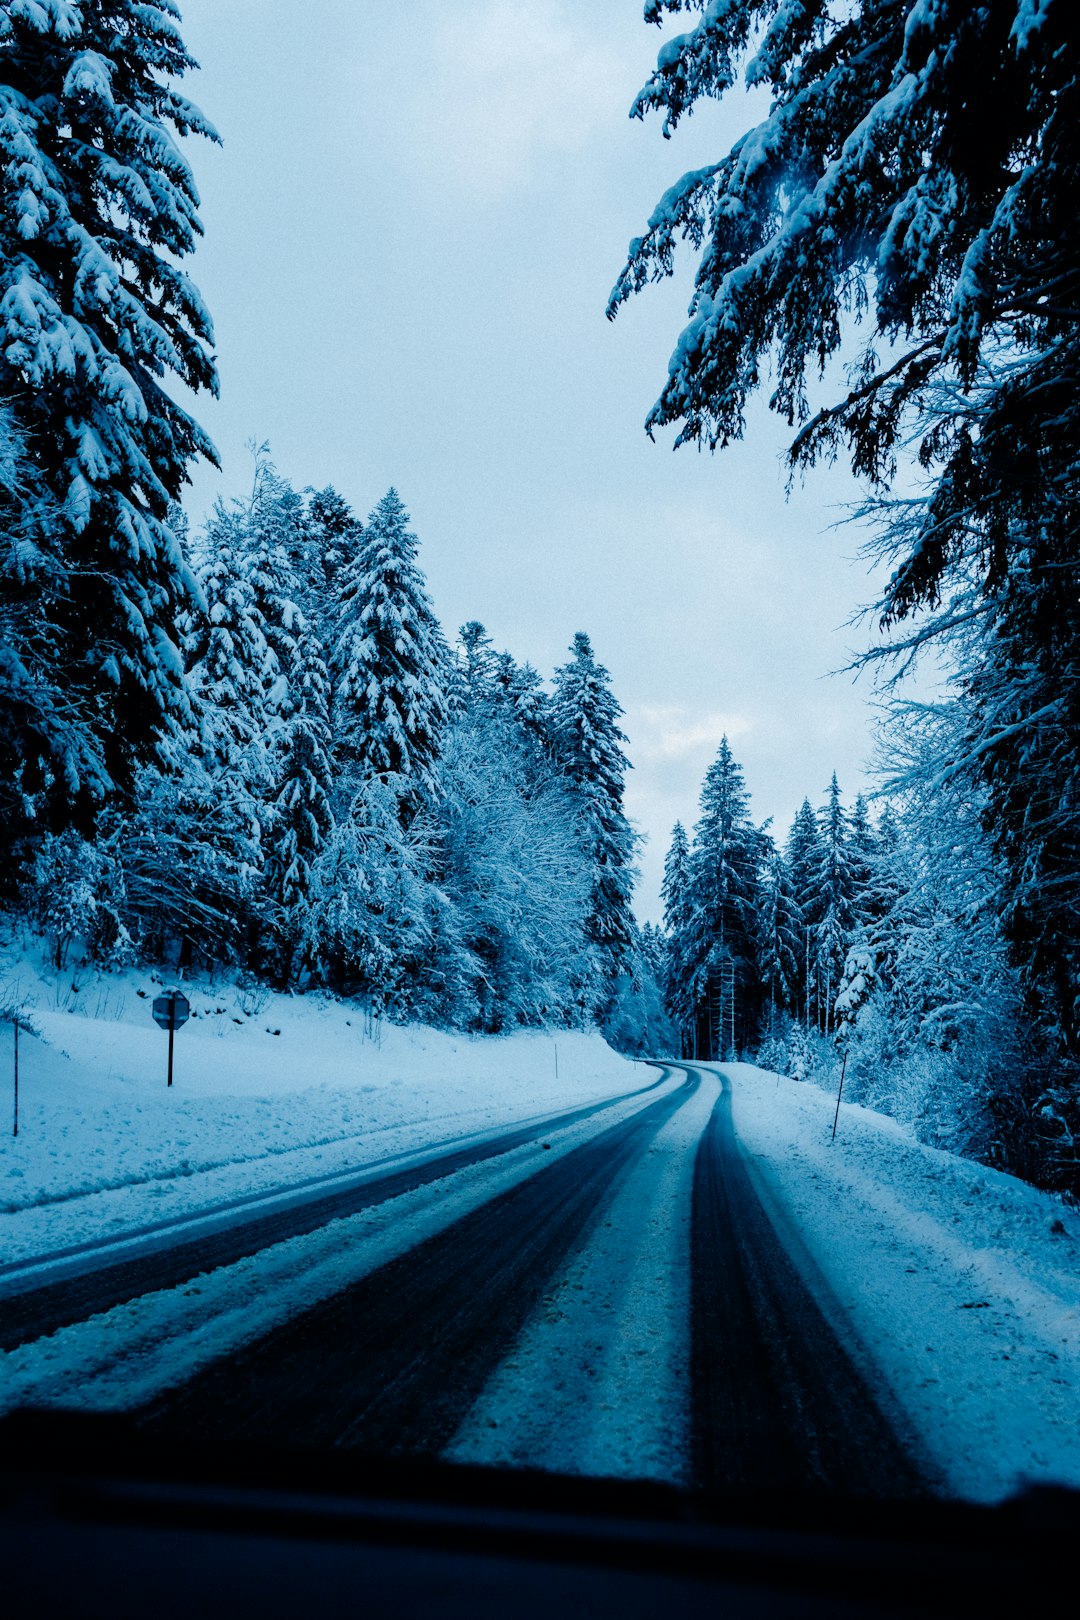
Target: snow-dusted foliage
97, 207
388, 659
585, 734
868, 164
519, 887
51, 754
914, 179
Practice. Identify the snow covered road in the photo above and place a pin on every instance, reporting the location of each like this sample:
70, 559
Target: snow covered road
47, 1292
656, 1287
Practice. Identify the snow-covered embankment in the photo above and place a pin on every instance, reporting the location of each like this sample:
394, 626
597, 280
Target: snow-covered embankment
962, 1284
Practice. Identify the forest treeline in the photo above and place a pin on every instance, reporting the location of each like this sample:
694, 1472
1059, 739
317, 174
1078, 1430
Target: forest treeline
255, 744
354, 803
868, 936
252, 745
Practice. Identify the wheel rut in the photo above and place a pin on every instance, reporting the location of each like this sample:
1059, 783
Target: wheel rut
777, 1401
393, 1363
29, 1313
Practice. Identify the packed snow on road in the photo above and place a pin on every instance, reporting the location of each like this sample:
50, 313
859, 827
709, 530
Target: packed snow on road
953, 1287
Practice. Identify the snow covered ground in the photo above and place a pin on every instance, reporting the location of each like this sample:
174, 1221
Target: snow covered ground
961, 1284
267, 1090
956, 1287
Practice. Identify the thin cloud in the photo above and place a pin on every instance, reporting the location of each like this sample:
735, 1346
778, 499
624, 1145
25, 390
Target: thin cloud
515, 84
666, 732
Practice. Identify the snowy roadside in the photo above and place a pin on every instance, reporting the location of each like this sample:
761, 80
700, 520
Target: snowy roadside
128, 1355
264, 1097
962, 1284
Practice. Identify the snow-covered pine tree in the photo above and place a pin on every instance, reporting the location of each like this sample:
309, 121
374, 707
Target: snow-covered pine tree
680, 990
653, 953
205, 814
779, 937
331, 537
862, 849
475, 667
522, 690
803, 855
725, 866
97, 206
272, 526
588, 746
389, 660
874, 192
302, 819
833, 901
47, 742
230, 664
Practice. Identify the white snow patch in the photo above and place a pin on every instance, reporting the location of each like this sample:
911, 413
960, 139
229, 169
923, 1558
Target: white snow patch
268, 1090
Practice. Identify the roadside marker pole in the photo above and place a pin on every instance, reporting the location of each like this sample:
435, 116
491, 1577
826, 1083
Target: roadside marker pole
170, 1012
15, 1127
839, 1094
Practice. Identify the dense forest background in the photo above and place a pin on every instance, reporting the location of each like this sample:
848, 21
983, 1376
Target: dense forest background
254, 746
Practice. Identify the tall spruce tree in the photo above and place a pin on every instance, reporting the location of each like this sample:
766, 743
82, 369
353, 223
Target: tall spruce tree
523, 691
678, 975
779, 936
725, 865
331, 534
272, 525
588, 745
302, 819
833, 900
230, 662
97, 206
389, 660
863, 848
803, 855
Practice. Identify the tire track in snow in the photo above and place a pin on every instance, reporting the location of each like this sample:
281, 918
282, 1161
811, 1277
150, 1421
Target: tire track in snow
598, 1381
393, 1362
777, 1401
167, 1258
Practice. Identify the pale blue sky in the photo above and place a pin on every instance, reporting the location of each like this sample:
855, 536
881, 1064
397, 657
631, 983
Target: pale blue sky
411, 232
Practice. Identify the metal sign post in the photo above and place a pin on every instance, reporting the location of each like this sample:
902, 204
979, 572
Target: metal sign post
15, 1128
839, 1094
170, 1011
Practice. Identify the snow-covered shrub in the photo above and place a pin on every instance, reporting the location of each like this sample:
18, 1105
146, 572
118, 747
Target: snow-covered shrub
513, 870
76, 896
637, 1023
800, 1055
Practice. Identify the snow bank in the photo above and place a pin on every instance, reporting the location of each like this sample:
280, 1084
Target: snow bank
268, 1089
962, 1284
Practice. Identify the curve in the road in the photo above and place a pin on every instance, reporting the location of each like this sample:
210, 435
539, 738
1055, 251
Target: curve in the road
777, 1402
29, 1313
393, 1363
